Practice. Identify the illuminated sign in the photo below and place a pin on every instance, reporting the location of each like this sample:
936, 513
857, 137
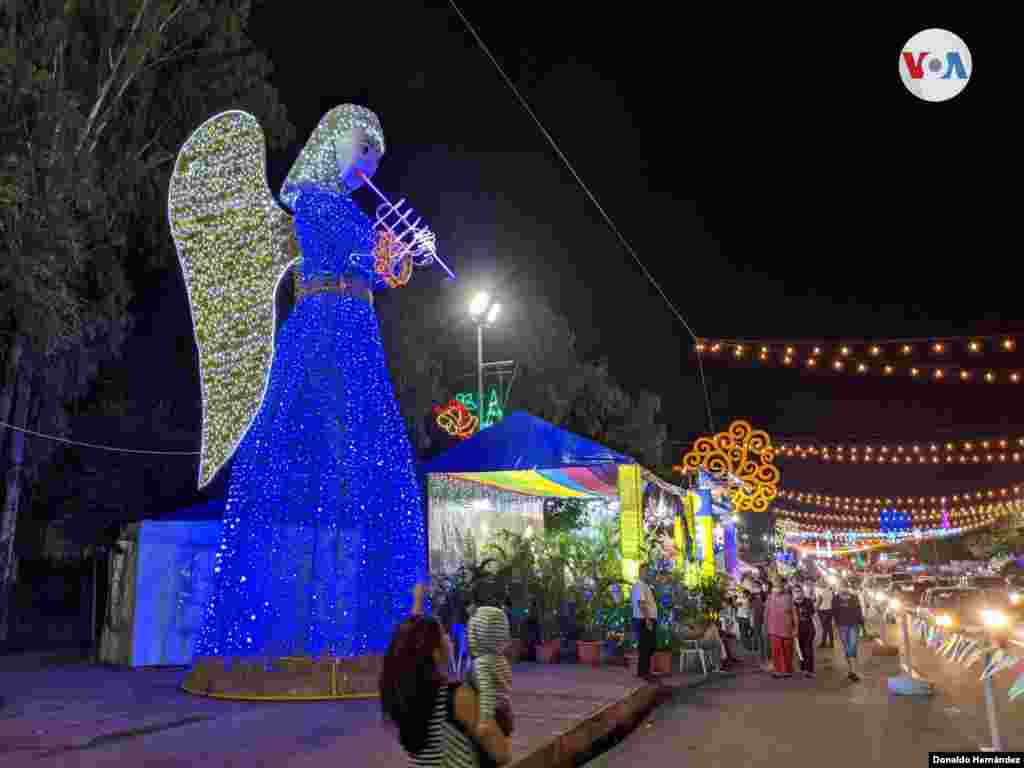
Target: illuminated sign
493, 412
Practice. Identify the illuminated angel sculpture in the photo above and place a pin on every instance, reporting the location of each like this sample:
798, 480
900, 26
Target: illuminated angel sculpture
323, 534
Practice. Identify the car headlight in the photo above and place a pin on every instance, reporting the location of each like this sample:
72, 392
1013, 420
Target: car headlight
944, 620
995, 619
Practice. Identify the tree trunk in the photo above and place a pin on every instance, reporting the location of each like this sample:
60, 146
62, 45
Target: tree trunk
9, 516
7, 393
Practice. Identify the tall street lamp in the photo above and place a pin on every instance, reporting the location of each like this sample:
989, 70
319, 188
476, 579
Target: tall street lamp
484, 313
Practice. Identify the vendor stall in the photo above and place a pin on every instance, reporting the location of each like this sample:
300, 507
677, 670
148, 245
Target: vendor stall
499, 478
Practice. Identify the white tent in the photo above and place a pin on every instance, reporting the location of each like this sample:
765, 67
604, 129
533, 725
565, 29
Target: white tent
160, 578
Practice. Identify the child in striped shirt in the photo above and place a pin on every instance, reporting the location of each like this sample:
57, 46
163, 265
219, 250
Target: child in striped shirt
491, 674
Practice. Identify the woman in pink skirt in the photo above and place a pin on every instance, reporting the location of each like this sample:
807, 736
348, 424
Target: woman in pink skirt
780, 615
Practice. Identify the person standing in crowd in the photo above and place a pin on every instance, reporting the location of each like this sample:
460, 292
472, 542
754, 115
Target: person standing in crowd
782, 624
805, 630
823, 603
533, 631
438, 723
743, 617
809, 590
728, 629
766, 644
756, 619
645, 619
849, 618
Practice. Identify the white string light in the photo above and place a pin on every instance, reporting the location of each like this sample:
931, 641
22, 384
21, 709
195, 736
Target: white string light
67, 441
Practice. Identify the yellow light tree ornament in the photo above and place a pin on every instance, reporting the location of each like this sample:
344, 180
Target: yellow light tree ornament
741, 456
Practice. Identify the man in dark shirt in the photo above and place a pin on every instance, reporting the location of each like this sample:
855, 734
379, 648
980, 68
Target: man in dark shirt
756, 618
849, 618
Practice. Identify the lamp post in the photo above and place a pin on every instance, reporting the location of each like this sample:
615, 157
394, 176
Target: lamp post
484, 313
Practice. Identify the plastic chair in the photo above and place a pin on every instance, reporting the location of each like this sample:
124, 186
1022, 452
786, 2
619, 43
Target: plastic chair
693, 647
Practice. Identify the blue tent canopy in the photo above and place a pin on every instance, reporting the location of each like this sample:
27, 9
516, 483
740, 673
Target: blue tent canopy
524, 442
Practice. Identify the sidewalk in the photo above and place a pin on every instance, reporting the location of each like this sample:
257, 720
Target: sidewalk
756, 721
85, 715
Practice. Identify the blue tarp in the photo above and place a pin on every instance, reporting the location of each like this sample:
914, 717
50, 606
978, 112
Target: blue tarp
210, 510
520, 442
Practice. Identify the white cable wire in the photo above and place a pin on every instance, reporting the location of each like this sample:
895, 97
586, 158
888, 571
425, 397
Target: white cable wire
65, 440
593, 199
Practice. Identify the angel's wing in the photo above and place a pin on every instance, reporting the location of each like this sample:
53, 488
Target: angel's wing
234, 243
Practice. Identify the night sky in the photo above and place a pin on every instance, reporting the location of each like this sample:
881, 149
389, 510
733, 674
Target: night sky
775, 177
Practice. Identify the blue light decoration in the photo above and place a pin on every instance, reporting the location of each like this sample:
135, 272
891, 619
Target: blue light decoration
323, 532
895, 524
323, 535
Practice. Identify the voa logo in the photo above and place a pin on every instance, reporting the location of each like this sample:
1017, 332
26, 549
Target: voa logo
935, 65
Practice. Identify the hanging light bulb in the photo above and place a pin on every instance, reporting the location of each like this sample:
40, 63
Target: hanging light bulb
838, 365
907, 349
701, 347
861, 368
914, 371
939, 373
811, 362
990, 377
974, 346
1009, 344
875, 351
888, 370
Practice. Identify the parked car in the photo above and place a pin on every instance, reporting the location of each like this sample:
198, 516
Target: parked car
909, 595
961, 608
985, 582
874, 593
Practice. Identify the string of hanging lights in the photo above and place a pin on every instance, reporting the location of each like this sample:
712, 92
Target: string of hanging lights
864, 521
985, 451
877, 504
920, 359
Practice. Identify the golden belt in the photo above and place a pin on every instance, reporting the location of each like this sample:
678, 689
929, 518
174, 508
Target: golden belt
349, 286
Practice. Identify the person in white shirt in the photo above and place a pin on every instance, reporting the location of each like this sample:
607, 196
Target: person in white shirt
645, 618
823, 602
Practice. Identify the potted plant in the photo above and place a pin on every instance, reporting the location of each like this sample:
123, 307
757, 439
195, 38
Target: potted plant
665, 644
630, 652
549, 584
588, 647
551, 644
691, 621
617, 621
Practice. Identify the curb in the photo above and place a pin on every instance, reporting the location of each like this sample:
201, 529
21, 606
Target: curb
619, 717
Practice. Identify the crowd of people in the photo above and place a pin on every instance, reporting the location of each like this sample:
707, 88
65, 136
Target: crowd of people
469, 724
780, 619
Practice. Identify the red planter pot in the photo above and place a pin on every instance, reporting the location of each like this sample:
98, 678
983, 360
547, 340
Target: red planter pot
589, 652
661, 662
547, 653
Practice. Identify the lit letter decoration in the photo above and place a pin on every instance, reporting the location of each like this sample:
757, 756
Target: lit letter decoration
455, 419
742, 457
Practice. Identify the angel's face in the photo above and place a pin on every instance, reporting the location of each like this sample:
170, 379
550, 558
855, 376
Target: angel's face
356, 154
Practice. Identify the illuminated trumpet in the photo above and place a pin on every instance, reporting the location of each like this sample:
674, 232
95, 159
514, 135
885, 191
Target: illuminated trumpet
413, 239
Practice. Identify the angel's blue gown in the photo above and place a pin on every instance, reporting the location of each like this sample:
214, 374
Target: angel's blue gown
324, 534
